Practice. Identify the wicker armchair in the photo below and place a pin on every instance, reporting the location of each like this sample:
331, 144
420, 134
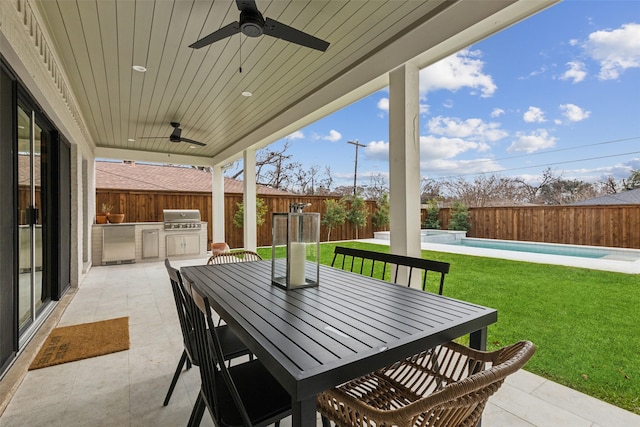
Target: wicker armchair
448, 386
231, 257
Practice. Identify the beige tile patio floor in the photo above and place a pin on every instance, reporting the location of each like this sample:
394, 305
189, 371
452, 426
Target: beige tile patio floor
127, 388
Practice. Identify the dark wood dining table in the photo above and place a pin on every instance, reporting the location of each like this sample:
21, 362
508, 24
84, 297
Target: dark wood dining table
312, 339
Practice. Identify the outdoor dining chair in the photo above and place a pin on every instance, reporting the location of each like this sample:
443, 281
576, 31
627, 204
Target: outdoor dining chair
231, 344
448, 386
231, 257
240, 395
364, 262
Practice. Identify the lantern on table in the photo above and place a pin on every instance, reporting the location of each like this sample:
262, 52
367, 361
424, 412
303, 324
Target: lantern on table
295, 248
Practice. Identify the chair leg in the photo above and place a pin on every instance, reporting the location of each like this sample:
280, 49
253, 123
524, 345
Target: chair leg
325, 422
197, 412
183, 359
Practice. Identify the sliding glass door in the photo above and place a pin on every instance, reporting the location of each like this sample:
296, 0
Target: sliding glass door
33, 290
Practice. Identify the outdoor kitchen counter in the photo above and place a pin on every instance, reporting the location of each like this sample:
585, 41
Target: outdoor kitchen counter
193, 243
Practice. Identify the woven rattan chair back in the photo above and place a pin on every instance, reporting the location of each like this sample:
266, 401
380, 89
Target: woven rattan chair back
236, 256
446, 386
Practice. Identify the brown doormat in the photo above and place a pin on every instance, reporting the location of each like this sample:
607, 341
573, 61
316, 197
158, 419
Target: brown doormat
70, 343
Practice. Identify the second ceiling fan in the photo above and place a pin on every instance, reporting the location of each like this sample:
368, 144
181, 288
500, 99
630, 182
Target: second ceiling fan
252, 24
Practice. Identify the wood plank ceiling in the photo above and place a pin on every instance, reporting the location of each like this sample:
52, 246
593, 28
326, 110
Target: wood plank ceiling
98, 42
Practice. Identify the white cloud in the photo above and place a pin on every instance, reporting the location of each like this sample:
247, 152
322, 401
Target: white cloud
534, 115
377, 150
474, 129
383, 104
296, 135
532, 142
424, 109
433, 147
458, 167
615, 50
573, 42
576, 72
497, 112
574, 113
333, 136
455, 72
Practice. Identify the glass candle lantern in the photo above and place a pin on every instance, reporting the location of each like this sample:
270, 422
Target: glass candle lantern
295, 249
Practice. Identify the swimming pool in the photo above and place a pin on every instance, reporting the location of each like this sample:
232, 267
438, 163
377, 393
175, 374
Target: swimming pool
459, 239
630, 255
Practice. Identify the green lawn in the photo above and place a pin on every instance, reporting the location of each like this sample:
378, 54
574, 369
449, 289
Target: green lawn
585, 323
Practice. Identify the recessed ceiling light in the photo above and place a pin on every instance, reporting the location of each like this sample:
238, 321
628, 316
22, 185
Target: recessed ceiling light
131, 140
139, 68
246, 93
191, 146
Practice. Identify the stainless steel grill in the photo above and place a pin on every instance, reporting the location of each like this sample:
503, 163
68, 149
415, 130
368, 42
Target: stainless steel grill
182, 219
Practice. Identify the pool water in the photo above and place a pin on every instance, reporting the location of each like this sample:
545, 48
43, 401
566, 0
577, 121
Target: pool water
550, 249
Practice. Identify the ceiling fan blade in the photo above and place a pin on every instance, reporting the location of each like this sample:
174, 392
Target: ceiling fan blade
222, 33
279, 30
247, 5
191, 141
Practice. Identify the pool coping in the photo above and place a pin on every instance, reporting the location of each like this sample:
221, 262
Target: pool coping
628, 267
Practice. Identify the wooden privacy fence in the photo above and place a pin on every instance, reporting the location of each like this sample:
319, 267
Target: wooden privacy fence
606, 225
610, 225
147, 206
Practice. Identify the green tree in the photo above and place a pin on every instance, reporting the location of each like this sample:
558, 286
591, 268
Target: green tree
432, 221
357, 211
633, 181
380, 218
459, 217
261, 211
335, 214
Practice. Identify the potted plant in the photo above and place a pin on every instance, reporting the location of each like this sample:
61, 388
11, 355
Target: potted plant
105, 210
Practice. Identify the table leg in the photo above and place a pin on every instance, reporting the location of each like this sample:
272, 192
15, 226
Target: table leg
478, 339
303, 413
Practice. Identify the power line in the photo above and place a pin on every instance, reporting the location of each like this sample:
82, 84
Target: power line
539, 153
538, 166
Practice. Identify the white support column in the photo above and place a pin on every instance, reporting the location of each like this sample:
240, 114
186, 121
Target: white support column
249, 200
217, 204
404, 163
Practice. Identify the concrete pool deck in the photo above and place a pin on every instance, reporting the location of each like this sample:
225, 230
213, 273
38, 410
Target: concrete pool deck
613, 265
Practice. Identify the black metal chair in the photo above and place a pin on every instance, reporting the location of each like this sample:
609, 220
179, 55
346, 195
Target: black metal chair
364, 262
240, 395
231, 344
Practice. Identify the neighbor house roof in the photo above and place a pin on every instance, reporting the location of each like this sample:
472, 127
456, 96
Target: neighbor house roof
150, 177
630, 197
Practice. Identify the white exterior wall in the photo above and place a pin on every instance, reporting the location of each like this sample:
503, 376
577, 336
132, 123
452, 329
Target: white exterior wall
29, 51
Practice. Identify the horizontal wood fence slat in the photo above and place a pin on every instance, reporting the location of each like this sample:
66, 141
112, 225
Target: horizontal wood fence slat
610, 225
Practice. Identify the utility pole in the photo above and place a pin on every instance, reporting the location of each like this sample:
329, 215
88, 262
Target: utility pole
355, 173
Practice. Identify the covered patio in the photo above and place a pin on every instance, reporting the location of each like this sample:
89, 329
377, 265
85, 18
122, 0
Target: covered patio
128, 387
68, 65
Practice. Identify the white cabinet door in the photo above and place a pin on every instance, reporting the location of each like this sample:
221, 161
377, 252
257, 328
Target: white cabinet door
182, 244
191, 244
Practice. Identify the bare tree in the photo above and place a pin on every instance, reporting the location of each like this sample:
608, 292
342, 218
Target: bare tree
273, 168
377, 188
431, 189
484, 190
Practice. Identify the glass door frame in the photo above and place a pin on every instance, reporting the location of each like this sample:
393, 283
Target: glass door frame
34, 215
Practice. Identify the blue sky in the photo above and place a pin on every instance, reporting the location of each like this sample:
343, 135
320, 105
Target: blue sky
553, 91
